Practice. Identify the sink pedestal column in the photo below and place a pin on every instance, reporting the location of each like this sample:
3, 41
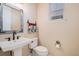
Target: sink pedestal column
18, 52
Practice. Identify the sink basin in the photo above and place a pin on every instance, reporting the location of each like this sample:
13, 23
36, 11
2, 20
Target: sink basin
14, 44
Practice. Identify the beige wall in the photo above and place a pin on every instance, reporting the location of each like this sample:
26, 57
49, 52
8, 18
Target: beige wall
66, 30
29, 13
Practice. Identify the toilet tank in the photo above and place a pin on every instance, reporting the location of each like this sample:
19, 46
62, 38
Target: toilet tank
34, 43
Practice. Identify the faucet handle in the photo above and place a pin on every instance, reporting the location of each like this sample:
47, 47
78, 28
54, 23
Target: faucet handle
18, 37
8, 38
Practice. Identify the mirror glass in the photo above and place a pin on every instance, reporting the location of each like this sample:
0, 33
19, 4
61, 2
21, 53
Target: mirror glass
11, 19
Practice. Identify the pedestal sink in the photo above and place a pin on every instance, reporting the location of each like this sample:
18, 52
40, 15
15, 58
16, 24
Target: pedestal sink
15, 45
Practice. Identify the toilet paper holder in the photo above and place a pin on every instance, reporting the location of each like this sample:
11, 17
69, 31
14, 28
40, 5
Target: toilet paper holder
58, 44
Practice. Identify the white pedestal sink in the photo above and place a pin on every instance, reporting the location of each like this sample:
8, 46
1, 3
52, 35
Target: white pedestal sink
15, 45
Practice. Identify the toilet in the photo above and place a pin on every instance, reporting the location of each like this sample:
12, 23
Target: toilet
37, 50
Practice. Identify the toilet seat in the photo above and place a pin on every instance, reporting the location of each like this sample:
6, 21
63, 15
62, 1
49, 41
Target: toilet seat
40, 50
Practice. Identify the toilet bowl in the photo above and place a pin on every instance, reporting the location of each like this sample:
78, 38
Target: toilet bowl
38, 50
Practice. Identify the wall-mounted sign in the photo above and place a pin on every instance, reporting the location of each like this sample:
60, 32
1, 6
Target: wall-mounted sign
56, 10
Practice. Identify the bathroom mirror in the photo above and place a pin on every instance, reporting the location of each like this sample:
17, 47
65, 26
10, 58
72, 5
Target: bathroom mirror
11, 19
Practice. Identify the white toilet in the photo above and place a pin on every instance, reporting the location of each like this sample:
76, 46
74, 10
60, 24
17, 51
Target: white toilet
38, 50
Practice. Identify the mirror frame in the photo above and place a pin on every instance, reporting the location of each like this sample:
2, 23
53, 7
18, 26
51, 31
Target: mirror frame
1, 19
